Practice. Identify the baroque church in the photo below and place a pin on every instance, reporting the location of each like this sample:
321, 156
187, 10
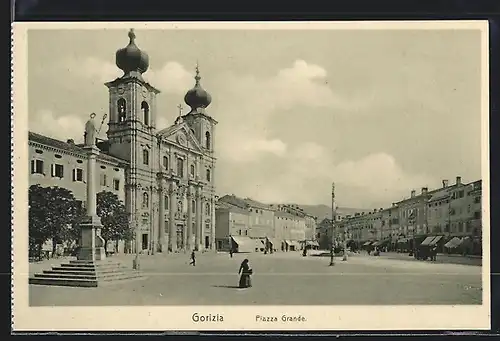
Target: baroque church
164, 176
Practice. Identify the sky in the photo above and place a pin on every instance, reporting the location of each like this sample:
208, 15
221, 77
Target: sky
378, 112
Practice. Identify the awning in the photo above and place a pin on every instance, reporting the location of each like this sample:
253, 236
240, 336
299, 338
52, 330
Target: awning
259, 243
273, 242
384, 242
312, 243
427, 240
465, 242
452, 243
367, 243
435, 240
244, 244
293, 243
403, 240
376, 243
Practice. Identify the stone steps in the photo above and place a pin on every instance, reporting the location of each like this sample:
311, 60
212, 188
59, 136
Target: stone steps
78, 273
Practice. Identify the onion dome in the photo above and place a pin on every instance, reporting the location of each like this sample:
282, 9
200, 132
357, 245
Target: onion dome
197, 97
131, 59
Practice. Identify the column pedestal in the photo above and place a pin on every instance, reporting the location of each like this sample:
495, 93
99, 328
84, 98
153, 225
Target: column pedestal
91, 244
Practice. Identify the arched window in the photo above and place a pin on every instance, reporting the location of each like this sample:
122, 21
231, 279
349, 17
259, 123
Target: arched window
208, 175
193, 206
122, 110
165, 162
145, 157
145, 200
207, 140
180, 167
165, 201
145, 112
207, 208
191, 170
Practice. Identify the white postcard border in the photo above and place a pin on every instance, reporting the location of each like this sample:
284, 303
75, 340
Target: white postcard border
332, 318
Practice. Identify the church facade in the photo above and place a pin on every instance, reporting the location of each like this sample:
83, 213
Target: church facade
168, 174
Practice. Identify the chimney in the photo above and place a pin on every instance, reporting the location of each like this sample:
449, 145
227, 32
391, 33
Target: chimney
445, 183
413, 193
459, 180
70, 141
424, 190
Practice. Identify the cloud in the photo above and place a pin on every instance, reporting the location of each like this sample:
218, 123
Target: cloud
305, 174
247, 143
171, 78
60, 127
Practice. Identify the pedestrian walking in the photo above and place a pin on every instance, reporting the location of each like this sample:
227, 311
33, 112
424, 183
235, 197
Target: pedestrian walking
231, 253
245, 272
332, 263
193, 259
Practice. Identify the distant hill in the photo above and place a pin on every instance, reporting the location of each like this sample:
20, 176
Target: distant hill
323, 211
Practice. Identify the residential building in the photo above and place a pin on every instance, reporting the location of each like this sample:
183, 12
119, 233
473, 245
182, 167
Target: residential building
232, 222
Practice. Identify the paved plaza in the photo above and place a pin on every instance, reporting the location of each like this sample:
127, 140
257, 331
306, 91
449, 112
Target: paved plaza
279, 279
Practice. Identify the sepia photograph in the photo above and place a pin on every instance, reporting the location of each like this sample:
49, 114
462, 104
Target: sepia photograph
288, 170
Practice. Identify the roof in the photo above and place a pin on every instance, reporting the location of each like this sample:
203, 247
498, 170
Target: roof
256, 204
234, 200
70, 147
286, 215
230, 208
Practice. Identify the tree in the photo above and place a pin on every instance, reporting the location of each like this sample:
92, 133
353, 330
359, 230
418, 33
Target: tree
114, 218
51, 211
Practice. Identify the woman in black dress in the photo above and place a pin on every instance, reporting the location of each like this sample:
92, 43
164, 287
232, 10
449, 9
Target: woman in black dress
245, 271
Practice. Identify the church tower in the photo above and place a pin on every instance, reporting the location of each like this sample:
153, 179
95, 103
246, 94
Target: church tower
131, 133
202, 125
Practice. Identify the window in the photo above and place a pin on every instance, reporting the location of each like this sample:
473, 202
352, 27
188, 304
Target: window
246, 232
477, 215
239, 232
207, 209
145, 112
145, 157
122, 110
165, 201
104, 179
116, 184
207, 140
208, 174
78, 174
191, 170
477, 200
145, 200
180, 167
37, 167
57, 171
165, 162
193, 206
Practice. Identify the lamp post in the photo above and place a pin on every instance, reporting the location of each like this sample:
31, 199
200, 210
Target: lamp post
333, 226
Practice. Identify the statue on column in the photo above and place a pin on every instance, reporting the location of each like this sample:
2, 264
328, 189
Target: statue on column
90, 131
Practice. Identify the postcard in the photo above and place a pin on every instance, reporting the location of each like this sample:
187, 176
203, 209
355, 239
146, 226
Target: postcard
250, 176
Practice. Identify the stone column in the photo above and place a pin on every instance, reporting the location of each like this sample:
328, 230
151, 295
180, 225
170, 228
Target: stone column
199, 218
212, 223
161, 214
92, 244
189, 219
172, 240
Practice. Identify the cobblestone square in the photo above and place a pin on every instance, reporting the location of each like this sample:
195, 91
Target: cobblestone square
279, 279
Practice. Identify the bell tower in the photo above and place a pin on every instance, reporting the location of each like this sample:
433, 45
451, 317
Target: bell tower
132, 136
132, 101
201, 124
